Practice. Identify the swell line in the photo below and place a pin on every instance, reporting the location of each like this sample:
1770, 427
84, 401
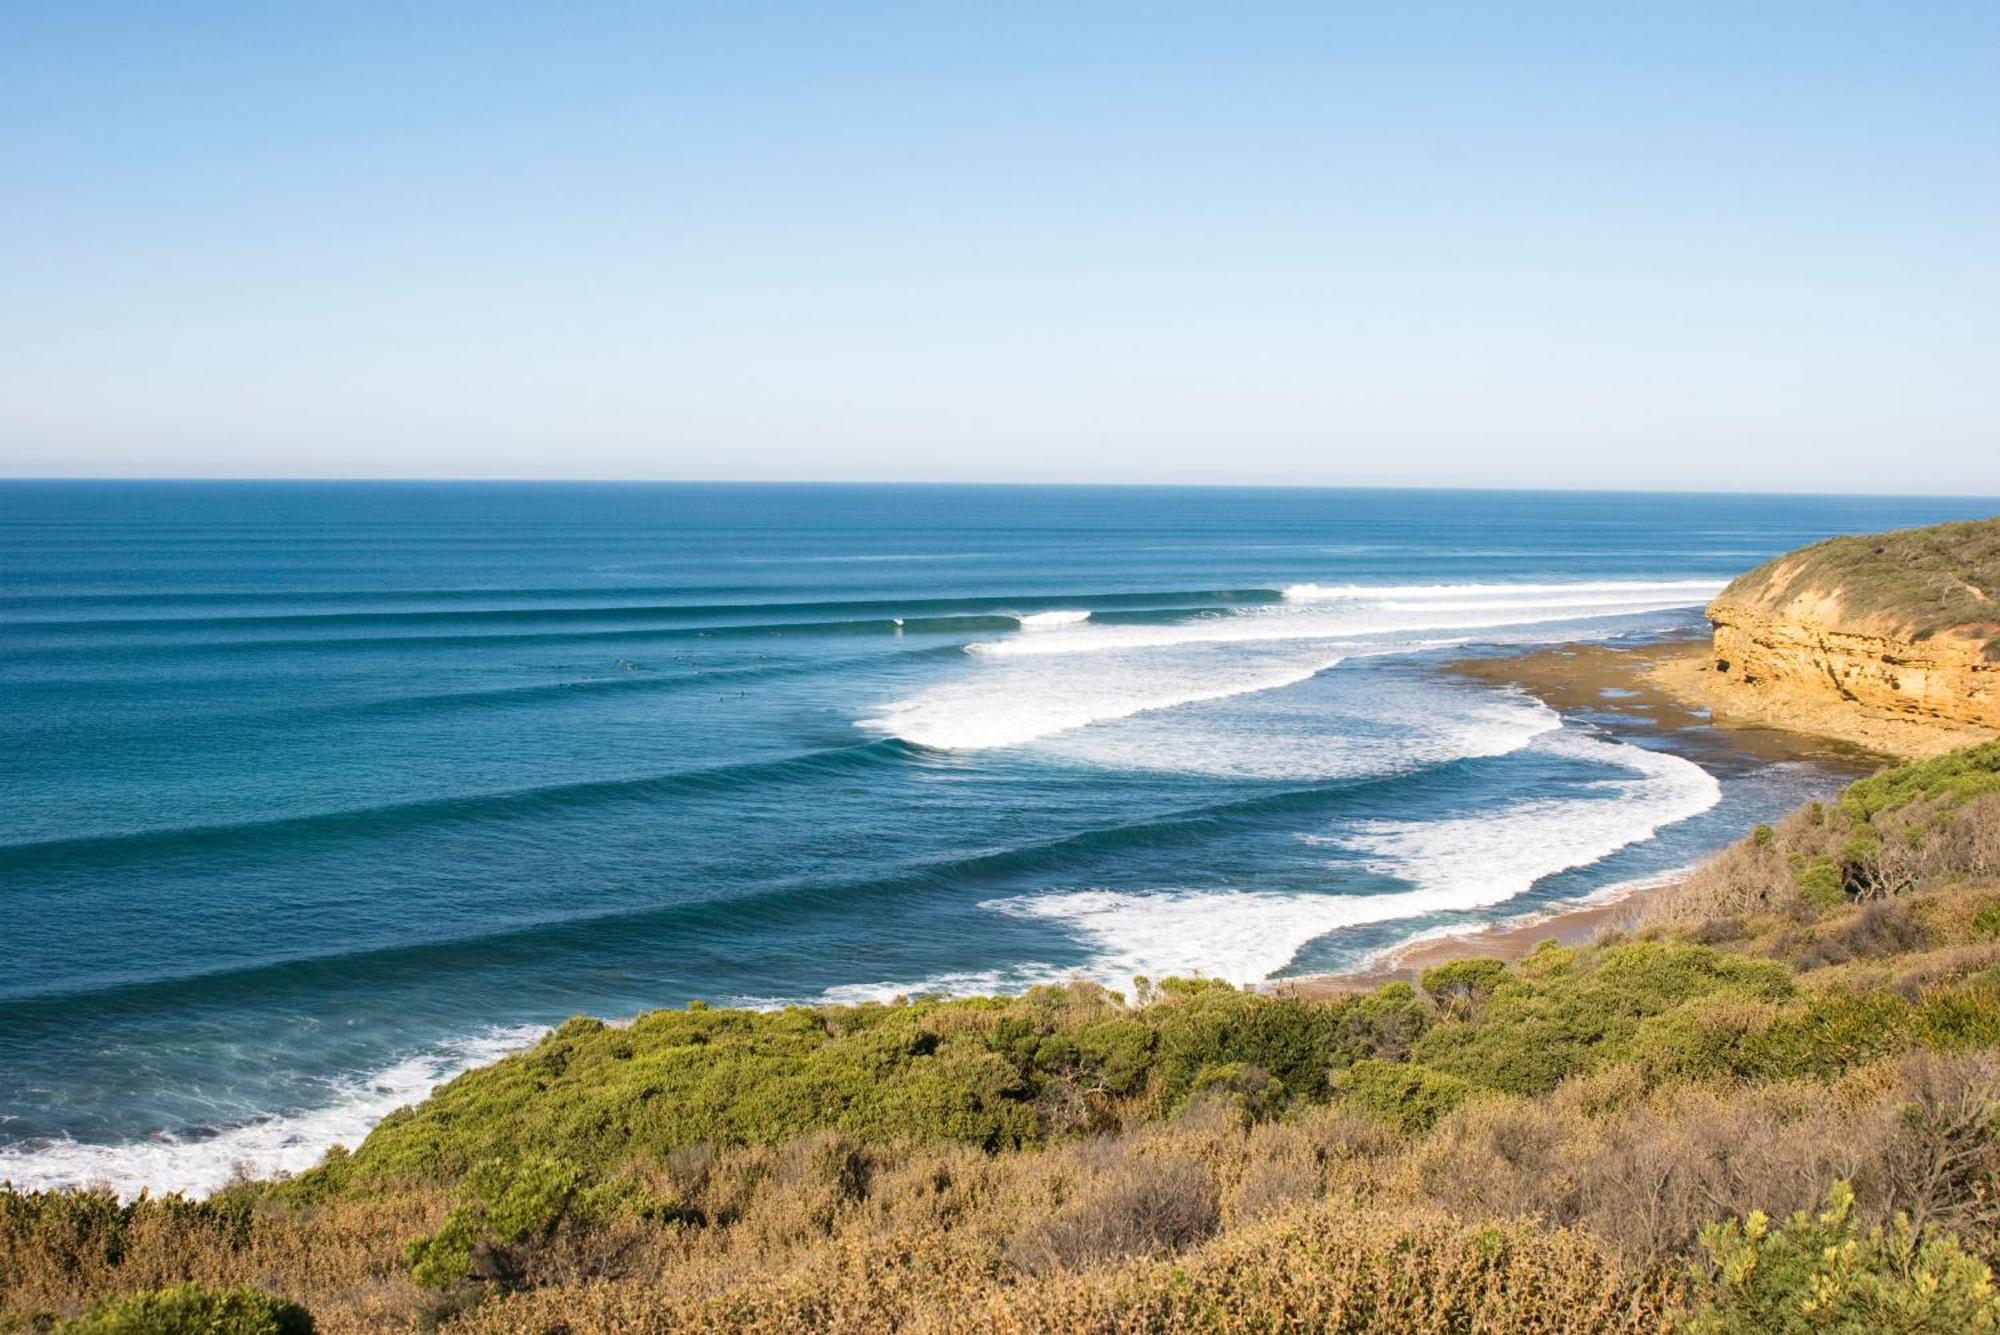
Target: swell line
726, 915
871, 609
174, 841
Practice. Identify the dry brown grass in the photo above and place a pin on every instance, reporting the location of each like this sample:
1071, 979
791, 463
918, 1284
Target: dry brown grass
1570, 1212
1319, 1267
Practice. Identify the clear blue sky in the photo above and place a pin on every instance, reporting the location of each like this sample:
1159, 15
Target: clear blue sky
1686, 245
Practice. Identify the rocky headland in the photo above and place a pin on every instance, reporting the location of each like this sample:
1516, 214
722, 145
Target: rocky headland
1890, 641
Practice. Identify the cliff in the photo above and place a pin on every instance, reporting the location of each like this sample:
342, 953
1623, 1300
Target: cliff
1890, 640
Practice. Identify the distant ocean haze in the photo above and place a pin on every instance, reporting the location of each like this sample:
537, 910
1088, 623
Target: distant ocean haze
319, 792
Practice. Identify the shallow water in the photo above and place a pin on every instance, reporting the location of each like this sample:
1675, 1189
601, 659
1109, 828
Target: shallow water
319, 792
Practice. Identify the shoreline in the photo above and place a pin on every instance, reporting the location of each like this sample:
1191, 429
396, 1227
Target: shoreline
1510, 939
1641, 686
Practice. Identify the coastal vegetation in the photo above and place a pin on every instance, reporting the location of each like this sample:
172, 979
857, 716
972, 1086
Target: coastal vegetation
1770, 1107
1918, 582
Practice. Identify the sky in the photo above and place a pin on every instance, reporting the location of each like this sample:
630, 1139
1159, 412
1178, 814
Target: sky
1691, 246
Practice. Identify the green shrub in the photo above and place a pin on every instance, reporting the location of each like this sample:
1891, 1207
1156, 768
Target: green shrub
1399, 1094
1822, 884
502, 1207
1251, 1090
1822, 1273
1952, 778
1462, 984
192, 1310
1564, 1012
1961, 1017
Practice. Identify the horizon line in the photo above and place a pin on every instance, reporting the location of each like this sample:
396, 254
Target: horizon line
1582, 490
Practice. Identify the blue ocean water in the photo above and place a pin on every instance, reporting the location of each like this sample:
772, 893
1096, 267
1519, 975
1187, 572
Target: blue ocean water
318, 792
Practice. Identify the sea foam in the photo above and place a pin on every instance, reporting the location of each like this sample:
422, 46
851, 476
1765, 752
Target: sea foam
1072, 672
1474, 861
199, 1164
1453, 865
1017, 703
1040, 621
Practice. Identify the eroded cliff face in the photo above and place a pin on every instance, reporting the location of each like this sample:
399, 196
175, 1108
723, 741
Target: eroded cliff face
1890, 641
1806, 653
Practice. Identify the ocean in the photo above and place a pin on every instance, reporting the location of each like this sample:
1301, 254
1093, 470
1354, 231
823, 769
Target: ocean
318, 793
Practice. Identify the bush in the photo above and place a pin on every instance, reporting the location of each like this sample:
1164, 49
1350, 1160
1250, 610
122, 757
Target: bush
192, 1310
1566, 1012
1460, 986
1248, 1090
1407, 1097
503, 1209
1822, 1273
1821, 883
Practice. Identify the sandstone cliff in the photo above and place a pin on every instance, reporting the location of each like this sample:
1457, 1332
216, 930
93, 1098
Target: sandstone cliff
1891, 640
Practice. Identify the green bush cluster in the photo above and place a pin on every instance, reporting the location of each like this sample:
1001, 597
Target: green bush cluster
503, 1205
1824, 1273
1000, 1073
1563, 1012
993, 1072
191, 1310
1953, 778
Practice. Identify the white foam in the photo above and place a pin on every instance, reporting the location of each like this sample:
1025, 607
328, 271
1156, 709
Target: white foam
268, 1147
1348, 729
956, 983
1355, 612
1240, 936
1006, 705
1476, 861
1031, 686
1452, 865
1038, 621
1690, 588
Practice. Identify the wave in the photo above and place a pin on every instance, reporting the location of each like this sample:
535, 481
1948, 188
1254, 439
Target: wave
324, 966
1062, 609
1377, 726
1025, 688
997, 709
1375, 614
201, 1161
1051, 620
1602, 897
149, 844
1012, 978
1476, 861
1319, 593
1453, 865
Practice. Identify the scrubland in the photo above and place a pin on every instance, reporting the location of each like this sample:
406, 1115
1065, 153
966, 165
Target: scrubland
1771, 1107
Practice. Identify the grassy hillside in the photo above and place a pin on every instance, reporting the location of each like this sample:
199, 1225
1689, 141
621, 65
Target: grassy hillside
1922, 581
1772, 1109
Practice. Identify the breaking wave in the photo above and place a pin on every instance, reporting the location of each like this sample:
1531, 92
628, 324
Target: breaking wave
202, 1160
1453, 865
